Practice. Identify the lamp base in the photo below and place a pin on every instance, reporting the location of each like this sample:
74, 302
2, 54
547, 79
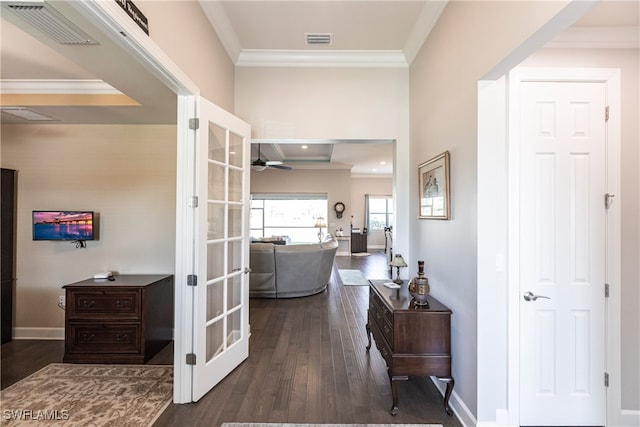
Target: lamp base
398, 281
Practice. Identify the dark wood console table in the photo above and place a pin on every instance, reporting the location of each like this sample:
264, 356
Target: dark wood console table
413, 340
127, 320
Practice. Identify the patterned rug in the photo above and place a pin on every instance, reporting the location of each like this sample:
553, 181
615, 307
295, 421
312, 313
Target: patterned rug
89, 395
352, 278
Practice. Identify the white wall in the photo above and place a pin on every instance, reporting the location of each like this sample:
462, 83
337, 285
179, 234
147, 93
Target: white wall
627, 60
124, 173
343, 103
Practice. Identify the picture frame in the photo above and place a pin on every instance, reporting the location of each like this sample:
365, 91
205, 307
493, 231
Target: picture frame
433, 186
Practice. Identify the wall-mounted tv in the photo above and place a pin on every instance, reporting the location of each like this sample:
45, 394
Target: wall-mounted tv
63, 225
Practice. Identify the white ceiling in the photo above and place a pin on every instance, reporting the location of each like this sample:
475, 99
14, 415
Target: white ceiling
386, 33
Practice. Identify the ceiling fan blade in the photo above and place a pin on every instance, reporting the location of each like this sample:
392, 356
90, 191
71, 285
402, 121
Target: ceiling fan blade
283, 167
273, 162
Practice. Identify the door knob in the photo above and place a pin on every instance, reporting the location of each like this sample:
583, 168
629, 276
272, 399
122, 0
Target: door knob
528, 296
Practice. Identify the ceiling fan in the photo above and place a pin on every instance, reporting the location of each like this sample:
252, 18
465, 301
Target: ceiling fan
260, 165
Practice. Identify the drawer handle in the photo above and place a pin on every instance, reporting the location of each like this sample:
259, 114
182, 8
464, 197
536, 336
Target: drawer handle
387, 330
121, 338
122, 304
88, 337
88, 304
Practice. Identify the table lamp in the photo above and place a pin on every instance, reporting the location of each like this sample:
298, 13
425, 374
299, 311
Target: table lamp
320, 224
398, 262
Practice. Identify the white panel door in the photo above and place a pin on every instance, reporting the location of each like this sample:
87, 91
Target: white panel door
221, 307
562, 238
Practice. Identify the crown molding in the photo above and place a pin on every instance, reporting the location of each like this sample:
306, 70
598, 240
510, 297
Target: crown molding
56, 87
426, 21
322, 58
597, 38
221, 24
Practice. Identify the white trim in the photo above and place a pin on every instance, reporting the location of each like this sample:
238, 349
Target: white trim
28, 333
611, 79
426, 21
460, 410
597, 38
219, 20
319, 59
57, 86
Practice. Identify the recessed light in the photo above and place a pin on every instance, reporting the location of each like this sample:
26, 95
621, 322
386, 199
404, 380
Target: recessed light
304, 147
383, 163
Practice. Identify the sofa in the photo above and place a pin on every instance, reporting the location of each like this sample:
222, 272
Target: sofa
289, 271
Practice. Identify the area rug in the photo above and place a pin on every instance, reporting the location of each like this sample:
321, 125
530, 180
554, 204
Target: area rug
361, 254
72, 395
352, 278
324, 425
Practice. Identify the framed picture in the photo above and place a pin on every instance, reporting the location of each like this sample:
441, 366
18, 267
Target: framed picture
433, 179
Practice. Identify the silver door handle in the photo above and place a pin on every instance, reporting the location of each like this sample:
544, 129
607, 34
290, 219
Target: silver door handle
528, 296
247, 270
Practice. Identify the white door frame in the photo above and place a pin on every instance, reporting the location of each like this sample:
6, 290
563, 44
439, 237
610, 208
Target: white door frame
112, 20
611, 79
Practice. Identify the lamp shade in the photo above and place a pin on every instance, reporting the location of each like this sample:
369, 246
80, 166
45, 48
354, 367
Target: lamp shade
398, 261
320, 222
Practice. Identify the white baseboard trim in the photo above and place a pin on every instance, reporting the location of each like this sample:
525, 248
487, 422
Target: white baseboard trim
460, 410
38, 333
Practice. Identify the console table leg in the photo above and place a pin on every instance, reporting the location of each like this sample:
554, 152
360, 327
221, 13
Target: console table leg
394, 392
447, 394
368, 336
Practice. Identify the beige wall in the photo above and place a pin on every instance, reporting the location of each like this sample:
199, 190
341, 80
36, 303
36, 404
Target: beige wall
627, 60
124, 173
183, 32
468, 41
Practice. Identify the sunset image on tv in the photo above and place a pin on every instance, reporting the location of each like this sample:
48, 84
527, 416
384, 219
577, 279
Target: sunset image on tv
62, 225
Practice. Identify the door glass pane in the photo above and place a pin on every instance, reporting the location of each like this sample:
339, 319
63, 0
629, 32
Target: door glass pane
216, 142
234, 292
234, 331
215, 221
216, 182
235, 185
215, 260
235, 256
215, 339
215, 300
235, 220
236, 149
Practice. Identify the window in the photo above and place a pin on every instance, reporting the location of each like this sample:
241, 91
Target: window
292, 215
379, 212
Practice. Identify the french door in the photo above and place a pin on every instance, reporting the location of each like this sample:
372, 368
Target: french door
221, 303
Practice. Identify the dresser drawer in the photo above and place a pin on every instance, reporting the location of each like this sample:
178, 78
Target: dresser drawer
381, 343
104, 303
103, 338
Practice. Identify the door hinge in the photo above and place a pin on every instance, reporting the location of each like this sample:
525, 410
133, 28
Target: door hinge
192, 280
194, 124
606, 290
193, 202
606, 113
606, 379
191, 359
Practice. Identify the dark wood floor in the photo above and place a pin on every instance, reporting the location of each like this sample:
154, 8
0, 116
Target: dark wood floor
307, 364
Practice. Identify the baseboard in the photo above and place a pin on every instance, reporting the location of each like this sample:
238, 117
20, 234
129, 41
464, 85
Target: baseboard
460, 410
38, 333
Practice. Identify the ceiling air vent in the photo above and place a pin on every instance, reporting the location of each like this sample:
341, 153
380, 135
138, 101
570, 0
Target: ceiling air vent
318, 38
50, 22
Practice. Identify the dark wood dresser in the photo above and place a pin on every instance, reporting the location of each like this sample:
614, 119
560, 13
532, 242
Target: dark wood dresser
127, 320
413, 340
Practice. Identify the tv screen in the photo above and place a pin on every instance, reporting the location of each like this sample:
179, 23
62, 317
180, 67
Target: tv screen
63, 225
